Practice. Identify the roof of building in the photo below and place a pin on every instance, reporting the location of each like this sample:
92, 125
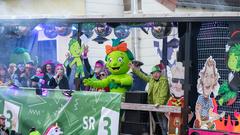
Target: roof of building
218, 5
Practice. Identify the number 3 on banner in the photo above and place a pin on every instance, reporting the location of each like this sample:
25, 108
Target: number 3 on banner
109, 121
9, 116
11, 112
107, 127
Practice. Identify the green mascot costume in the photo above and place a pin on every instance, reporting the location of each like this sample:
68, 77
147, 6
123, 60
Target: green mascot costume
117, 60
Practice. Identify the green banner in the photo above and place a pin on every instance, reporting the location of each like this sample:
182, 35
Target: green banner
85, 113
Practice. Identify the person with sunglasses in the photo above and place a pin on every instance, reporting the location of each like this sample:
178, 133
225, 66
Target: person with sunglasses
102, 75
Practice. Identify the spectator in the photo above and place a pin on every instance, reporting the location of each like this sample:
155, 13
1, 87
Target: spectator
37, 79
99, 67
158, 92
29, 72
12, 69
99, 72
2, 125
19, 77
4, 76
59, 80
30, 66
48, 71
102, 75
138, 83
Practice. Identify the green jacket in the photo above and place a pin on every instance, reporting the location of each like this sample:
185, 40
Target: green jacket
158, 91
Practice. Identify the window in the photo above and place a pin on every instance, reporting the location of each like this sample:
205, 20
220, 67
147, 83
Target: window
127, 5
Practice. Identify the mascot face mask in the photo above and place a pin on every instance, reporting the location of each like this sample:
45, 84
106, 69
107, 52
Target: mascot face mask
117, 62
234, 58
75, 49
232, 62
118, 57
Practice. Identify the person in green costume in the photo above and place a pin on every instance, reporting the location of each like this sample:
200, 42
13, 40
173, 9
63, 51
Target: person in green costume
117, 60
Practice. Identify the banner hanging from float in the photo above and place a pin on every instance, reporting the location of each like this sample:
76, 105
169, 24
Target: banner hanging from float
85, 113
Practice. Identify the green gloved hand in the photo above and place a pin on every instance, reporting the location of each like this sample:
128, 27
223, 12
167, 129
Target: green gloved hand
87, 82
35, 133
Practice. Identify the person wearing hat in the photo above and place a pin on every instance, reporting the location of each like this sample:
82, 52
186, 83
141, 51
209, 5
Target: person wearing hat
158, 92
48, 71
138, 83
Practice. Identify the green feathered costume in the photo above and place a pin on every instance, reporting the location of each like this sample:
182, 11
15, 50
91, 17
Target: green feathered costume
20, 55
117, 61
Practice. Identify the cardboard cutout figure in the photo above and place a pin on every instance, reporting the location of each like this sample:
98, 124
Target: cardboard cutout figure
75, 64
117, 60
228, 90
176, 99
207, 83
76, 51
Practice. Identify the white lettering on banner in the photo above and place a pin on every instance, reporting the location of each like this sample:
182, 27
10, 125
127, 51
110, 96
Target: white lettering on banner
34, 112
11, 112
88, 123
108, 123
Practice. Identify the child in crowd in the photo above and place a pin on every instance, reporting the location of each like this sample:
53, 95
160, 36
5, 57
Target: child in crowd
37, 79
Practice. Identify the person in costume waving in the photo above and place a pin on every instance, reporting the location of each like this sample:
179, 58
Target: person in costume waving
158, 93
117, 60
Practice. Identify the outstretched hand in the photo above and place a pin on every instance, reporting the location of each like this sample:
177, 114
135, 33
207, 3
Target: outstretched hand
132, 66
85, 51
87, 82
67, 55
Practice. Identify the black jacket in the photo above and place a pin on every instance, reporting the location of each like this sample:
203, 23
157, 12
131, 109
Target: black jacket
63, 84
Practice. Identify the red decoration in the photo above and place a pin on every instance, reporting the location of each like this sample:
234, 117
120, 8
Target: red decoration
120, 47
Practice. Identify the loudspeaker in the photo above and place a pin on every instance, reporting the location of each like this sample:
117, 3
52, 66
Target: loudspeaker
136, 97
134, 128
136, 116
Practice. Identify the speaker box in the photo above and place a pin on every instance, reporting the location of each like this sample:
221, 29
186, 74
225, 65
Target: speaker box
136, 97
136, 116
134, 128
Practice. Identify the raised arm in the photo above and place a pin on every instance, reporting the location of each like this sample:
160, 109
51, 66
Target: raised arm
141, 75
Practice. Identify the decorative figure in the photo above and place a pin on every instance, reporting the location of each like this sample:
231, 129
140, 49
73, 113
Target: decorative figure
207, 84
118, 59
